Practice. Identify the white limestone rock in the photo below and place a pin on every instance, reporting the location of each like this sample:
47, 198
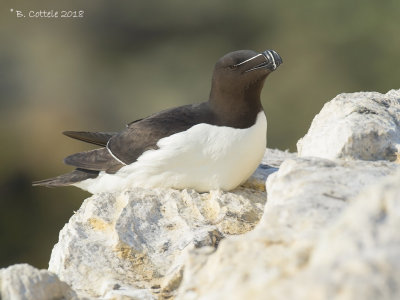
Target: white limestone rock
24, 282
305, 197
138, 237
363, 125
135, 242
358, 256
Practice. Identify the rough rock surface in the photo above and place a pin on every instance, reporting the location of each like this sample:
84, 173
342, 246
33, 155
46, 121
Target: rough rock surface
20, 282
363, 125
358, 256
137, 240
306, 197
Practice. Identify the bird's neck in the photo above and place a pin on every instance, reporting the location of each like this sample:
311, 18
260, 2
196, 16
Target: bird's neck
236, 107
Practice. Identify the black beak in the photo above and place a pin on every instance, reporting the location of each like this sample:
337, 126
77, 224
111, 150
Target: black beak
273, 58
268, 59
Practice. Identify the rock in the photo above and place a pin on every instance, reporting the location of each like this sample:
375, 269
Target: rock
306, 198
137, 237
24, 282
269, 164
362, 125
135, 242
358, 256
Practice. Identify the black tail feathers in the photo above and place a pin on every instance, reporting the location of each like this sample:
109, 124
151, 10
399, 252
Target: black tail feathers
96, 138
67, 179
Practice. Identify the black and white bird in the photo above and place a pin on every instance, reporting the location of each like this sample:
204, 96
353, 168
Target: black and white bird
216, 144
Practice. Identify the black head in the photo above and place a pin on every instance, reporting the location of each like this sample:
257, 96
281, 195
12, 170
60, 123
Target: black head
239, 78
246, 61
239, 70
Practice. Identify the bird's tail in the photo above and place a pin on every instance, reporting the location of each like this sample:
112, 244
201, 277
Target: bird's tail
67, 179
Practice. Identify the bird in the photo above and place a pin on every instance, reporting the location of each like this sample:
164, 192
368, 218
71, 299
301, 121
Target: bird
213, 145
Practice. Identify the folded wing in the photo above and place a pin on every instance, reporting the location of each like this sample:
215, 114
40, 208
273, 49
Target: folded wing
96, 138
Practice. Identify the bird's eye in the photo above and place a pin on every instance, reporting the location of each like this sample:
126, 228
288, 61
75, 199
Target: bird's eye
232, 67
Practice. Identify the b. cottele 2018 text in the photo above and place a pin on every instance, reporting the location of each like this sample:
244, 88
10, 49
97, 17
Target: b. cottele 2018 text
52, 14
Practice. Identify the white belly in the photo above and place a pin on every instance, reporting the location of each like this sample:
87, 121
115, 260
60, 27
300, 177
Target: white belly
204, 158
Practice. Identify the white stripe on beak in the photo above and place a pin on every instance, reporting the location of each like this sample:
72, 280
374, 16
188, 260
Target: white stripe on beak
247, 60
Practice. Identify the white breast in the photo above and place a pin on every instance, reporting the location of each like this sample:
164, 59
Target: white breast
203, 158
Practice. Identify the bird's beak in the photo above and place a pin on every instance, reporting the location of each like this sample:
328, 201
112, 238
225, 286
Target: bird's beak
268, 59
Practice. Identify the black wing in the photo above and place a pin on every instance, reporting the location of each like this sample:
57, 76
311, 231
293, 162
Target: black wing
144, 134
95, 160
128, 145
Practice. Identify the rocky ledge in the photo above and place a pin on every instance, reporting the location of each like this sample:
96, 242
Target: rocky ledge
325, 227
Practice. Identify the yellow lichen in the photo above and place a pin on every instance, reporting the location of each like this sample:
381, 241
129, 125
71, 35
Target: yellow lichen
139, 261
98, 224
254, 184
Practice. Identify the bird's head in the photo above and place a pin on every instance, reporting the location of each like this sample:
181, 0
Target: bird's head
243, 72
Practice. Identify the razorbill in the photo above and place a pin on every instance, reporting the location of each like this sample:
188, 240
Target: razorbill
216, 144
